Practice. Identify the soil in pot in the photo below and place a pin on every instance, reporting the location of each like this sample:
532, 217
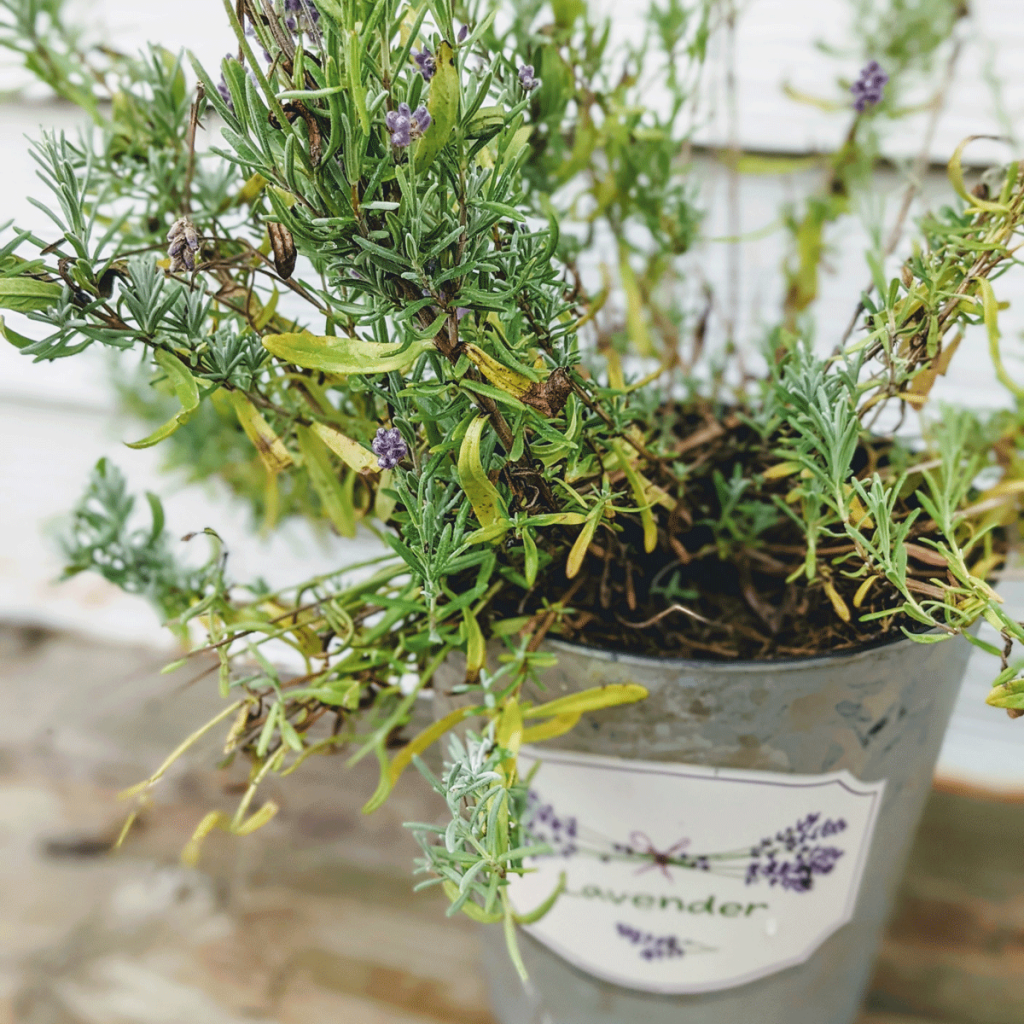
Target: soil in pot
724, 581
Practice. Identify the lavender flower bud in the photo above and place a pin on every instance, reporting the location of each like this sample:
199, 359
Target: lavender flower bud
425, 63
463, 32
869, 87
529, 83
251, 31
183, 245
389, 447
307, 16
282, 244
406, 125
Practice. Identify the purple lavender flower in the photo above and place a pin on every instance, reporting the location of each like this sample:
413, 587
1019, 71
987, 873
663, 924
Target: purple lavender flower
463, 32
869, 87
526, 78
425, 63
544, 826
792, 857
304, 15
389, 447
251, 32
406, 125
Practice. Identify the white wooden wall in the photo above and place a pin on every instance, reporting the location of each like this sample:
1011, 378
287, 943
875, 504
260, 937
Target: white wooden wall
57, 419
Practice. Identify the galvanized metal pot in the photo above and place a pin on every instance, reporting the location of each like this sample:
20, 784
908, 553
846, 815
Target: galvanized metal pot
879, 713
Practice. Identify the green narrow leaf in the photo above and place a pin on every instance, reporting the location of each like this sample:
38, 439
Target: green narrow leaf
325, 482
17, 340
186, 390
25, 294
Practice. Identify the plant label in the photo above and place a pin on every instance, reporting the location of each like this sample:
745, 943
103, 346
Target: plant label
682, 878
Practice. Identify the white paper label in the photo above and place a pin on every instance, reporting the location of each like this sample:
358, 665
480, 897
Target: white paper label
681, 878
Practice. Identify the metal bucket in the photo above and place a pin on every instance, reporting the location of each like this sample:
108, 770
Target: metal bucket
879, 713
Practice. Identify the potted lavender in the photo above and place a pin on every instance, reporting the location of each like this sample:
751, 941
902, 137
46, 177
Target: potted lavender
693, 634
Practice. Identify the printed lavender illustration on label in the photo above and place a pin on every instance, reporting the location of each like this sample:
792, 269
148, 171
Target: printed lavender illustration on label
681, 878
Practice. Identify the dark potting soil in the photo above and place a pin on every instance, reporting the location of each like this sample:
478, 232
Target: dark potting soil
703, 594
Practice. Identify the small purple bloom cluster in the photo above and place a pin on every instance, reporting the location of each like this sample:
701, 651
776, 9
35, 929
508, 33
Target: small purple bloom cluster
406, 125
526, 78
389, 446
869, 87
652, 947
792, 857
544, 826
302, 14
426, 64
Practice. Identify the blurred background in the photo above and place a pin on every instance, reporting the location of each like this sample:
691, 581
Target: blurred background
313, 918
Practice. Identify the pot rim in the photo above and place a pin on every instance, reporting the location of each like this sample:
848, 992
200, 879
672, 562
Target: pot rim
715, 667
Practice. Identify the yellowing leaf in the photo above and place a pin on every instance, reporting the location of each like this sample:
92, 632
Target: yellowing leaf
404, 757
186, 390
482, 494
556, 726
270, 447
598, 697
990, 309
956, 176
476, 647
509, 732
344, 355
578, 552
215, 819
352, 453
498, 374
636, 321
837, 602
324, 478
780, 470
862, 591
443, 107
638, 485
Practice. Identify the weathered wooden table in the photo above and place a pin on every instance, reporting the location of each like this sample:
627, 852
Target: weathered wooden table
314, 918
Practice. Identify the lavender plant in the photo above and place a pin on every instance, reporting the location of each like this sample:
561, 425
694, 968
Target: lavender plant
358, 263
